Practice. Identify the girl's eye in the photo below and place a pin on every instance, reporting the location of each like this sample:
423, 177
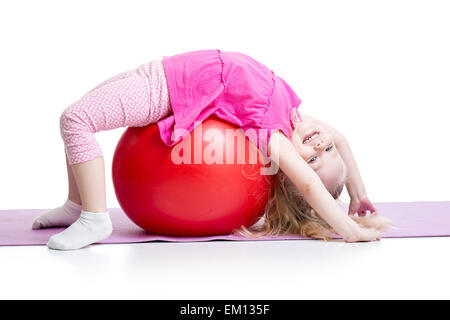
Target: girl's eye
315, 158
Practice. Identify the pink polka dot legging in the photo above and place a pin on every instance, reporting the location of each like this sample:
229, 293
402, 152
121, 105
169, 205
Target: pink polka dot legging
133, 98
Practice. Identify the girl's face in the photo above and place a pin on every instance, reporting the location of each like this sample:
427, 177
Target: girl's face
316, 146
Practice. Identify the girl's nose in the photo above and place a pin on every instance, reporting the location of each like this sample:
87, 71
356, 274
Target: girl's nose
319, 145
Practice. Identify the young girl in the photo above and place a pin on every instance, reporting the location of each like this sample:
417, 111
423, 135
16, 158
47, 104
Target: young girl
315, 159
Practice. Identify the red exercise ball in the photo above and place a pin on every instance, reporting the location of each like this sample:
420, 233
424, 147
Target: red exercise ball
206, 194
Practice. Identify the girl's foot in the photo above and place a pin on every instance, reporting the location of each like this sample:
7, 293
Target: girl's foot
91, 227
62, 216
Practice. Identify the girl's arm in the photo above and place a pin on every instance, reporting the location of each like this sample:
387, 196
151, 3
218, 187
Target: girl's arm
283, 152
359, 202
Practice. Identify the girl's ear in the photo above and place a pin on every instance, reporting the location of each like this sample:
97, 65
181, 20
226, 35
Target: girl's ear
295, 117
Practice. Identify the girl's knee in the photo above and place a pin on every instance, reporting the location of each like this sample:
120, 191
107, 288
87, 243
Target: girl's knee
66, 119
73, 120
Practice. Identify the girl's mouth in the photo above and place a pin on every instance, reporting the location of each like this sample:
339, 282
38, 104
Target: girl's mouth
311, 136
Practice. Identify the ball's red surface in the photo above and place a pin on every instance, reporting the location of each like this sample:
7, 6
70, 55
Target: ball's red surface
164, 196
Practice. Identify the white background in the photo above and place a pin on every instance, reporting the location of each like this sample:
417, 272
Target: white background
379, 71
376, 70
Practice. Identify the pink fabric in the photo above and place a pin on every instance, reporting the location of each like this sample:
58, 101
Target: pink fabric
231, 86
133, 98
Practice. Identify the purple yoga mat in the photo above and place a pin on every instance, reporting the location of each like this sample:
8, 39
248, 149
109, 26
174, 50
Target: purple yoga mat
412, 219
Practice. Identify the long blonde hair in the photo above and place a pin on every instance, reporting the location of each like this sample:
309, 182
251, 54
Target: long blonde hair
287, 212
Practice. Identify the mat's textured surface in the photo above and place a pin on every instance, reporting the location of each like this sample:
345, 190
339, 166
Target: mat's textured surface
412, 219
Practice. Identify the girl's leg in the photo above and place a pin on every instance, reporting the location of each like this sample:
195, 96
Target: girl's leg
66, 214
74, 194
90, 178
93, 224
136, 100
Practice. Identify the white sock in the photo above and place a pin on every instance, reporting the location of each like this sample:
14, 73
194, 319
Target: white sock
91, 227
62, 216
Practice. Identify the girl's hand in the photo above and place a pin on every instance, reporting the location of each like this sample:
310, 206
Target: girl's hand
363, 235
360, 206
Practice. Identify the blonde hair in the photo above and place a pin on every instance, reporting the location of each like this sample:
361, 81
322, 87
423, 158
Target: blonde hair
287, 212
